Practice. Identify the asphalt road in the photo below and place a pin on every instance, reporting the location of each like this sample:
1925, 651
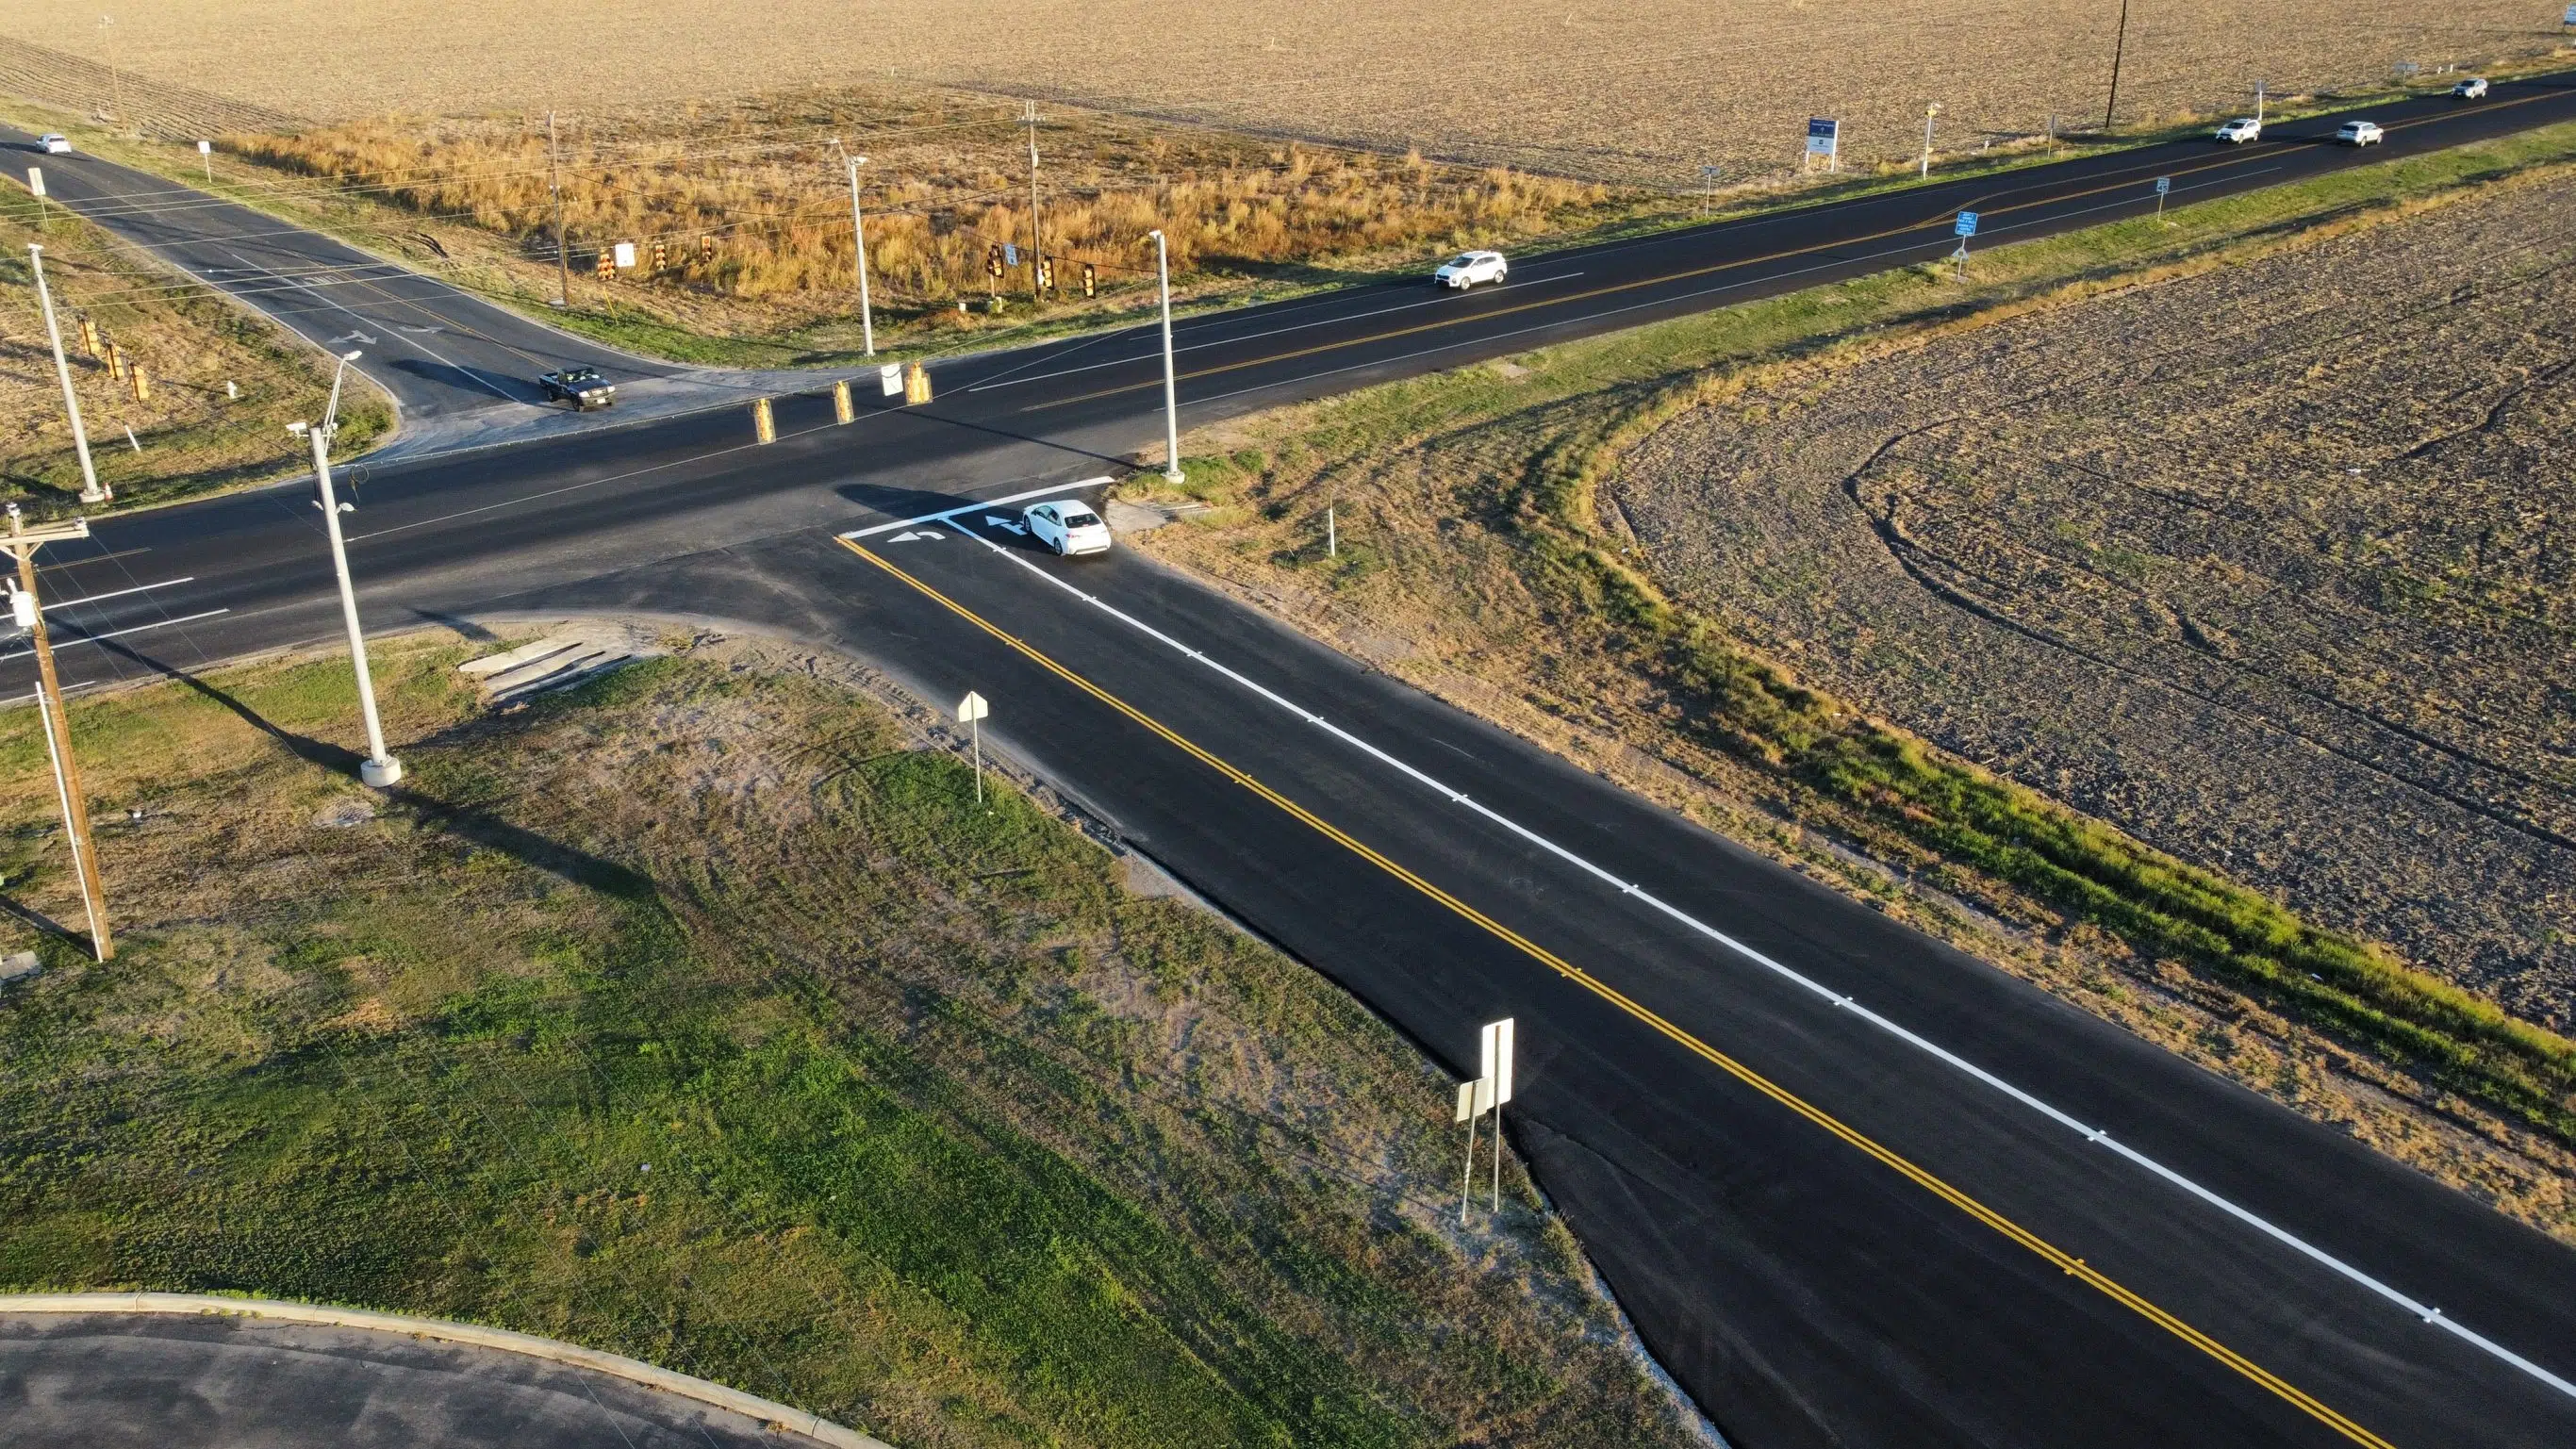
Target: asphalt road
1853, 1187
104, 1381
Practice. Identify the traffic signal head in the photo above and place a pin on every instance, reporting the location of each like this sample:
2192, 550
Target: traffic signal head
993, 259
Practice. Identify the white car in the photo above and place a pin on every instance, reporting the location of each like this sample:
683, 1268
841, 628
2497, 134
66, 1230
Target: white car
2239, 131
2360, 133
55, 143
1068, 526
1468, 268
2472, 89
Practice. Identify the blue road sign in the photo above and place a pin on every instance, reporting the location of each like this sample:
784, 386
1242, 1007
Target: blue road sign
1967, 223
1010, 254
2163, 185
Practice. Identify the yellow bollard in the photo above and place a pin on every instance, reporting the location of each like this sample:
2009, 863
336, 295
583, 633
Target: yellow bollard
916, 384
763, 425
842, 411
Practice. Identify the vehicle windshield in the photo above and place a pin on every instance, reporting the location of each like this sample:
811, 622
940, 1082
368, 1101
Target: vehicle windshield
1467, 259
1080, 518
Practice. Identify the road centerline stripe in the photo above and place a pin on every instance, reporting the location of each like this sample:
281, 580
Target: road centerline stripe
2057, 1257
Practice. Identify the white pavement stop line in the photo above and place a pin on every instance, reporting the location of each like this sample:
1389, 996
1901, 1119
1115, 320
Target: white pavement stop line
2098, 1135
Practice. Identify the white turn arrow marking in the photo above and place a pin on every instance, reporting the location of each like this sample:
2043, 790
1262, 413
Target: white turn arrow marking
923, 535
999, 522
354, 337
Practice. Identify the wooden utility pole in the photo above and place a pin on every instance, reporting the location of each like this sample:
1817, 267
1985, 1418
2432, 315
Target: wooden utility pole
22, 543
1037, 237
554, 184
2118, 46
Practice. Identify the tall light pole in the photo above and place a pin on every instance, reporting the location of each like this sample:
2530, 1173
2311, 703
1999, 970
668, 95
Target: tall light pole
22, 543
1929, 112
2259, 88
115, 82
90, 491
1037, 237
379, 769
1171, 393
859, 236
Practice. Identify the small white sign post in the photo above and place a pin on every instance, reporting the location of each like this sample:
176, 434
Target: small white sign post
1966, 227
970, 713
2164, 188
36, 185
206, 153
1491, 1089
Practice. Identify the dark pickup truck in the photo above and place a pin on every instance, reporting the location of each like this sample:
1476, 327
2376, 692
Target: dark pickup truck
583, 387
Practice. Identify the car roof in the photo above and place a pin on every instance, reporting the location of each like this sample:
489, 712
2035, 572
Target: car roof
1064, 503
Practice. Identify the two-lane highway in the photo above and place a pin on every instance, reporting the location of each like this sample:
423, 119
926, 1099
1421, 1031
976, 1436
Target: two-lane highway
1853, 1187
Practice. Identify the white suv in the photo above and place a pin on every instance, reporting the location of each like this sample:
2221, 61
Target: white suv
1468, 268
2472, 89
2239, 131
1068, 526
55, 143
2360, 133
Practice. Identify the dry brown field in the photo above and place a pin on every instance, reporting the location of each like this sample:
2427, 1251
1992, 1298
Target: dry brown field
1647, 90
2268, 566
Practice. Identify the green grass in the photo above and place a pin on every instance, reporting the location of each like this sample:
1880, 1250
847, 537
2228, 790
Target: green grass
949, 1137
1525, 448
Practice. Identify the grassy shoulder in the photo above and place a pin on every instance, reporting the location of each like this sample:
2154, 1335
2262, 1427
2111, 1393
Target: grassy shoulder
700, 1015
221, 383
1473, 558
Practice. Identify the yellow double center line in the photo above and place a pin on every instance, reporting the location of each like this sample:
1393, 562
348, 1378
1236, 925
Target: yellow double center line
2058, 1257
1563, 299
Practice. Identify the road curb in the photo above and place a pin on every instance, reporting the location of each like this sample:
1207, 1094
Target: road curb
749, 1406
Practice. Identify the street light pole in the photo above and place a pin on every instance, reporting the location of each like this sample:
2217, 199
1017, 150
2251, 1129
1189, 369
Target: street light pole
859, 236
1037, 236
1171, 394
2119, 47
1929, 112
90, 491
380, 769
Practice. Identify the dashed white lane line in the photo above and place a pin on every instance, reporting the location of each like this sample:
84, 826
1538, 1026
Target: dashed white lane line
117, 593
2094, 1135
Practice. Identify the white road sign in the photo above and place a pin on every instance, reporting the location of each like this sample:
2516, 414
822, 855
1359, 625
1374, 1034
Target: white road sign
1494, 1055
205, 148
890, 378
626, 254
972, 708
36, 179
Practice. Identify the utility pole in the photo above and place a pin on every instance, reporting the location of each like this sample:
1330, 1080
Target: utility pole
115, 82
90, 491
22, 543
2118, 47
859, 236
2259, 87
1171, 395
1929, 112
1037, 237
554, 185
379, 769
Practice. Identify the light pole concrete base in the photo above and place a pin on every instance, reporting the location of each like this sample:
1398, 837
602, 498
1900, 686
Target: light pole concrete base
93, 495
1173, 476
379, 774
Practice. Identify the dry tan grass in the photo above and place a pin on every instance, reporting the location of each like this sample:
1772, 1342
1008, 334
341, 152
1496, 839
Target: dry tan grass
1646, 89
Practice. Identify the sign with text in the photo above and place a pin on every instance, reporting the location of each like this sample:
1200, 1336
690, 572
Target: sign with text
1967, 223
2163, 185
1824, 135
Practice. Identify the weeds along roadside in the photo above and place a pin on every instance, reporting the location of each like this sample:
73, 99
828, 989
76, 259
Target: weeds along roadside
191, 435
1524, 569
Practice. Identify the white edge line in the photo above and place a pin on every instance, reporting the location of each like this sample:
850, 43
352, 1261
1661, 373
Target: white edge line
116, 593
2090, 1134
113, 633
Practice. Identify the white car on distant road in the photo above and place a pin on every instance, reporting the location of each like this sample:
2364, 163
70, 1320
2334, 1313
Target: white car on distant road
2360, 133
2472, 89
55, 143
1068, 526
2239, 131
1468, 268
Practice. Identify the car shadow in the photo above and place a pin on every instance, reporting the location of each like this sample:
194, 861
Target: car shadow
477, 380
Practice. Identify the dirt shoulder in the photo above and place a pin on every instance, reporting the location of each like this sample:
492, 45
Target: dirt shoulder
1476, 559
701, 1015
